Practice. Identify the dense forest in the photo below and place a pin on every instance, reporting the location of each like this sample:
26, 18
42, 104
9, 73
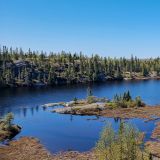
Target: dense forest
33, 68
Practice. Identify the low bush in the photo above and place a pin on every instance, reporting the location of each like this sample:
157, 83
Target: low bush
125, 101
6, 122
122, 145
91, 99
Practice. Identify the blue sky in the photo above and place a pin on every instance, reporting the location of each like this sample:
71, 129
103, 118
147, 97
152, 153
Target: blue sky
106, 27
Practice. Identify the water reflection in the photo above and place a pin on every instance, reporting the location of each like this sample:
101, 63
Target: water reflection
33, 110
24, 112
117, 120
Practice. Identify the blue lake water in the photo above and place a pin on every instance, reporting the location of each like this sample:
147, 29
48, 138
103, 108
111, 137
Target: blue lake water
65, 132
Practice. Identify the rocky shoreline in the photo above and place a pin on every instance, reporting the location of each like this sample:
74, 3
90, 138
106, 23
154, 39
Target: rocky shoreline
28, 148
154, 145
100, 109
9, 134
7, 129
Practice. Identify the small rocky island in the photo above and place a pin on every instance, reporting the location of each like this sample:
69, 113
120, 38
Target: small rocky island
121, 106
7, 129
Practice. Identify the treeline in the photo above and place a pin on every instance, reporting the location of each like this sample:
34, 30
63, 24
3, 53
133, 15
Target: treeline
19, 68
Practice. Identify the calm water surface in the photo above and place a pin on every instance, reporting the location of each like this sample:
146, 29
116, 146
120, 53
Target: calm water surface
66, 132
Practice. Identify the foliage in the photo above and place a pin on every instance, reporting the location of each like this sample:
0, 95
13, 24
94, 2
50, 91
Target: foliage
122, 145
6, 123
124, 97
139, 102
32, 67
91, 99
125, 100
75, 100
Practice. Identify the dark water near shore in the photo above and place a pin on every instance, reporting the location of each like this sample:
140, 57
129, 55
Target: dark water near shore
64, 132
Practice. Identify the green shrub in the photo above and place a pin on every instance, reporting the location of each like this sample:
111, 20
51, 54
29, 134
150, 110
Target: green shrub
122, 104
6, 123
75, 100
125, 100
91, 99
122, 97
111, 105
122, 145
8, 120
138, 102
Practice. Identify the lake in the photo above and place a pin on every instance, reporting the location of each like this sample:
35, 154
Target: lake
66, 132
